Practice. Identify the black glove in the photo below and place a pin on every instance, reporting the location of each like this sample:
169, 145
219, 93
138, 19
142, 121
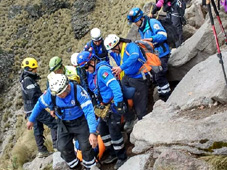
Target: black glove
121, 107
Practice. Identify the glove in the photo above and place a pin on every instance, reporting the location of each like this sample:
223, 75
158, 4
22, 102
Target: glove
121, 108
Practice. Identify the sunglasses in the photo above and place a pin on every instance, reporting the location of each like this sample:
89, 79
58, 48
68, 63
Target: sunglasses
87, 66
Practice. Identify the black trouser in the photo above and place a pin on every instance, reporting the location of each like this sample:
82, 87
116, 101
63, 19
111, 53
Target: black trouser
140, 97
75, 129
44, 118
161, 80
110, 131
176, 20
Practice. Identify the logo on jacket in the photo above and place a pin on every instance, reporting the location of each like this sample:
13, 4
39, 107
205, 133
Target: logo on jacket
156, 26
84, 93
73, 102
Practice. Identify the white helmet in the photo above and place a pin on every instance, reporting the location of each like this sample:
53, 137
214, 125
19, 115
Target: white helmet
111, 41
58, 83
74, 59
96, 34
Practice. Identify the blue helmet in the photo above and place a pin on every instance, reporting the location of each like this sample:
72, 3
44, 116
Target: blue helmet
83, 58
134, 15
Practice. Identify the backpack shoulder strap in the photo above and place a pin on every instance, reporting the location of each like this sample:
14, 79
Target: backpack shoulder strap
75, 93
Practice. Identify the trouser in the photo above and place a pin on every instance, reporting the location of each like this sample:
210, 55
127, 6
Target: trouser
110, 131
140, 97
164, 90
75, 129
176, 20
44, 118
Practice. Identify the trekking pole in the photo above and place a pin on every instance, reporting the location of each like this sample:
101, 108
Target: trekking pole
219, 19
216, 39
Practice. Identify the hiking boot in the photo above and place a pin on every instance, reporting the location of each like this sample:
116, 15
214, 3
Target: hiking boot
43, 154
110, 159
119, 163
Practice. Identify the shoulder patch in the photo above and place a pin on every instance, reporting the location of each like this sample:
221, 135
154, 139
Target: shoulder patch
104, 75
156, 26
31, 86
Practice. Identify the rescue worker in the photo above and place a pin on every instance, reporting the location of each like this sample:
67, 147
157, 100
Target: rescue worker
30, 93
73, 74
84, 75
96, 45
110, 95
130, 53
175, 12
151, 30
76, 119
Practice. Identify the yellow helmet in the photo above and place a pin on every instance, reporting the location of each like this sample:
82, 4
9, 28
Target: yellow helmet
29, 62
74, 77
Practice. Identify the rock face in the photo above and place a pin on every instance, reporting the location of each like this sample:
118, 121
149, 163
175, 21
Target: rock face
198, 47
6, 67
175, 159
80, 22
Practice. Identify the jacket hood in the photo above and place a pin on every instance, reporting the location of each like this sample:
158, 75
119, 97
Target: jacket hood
32, 75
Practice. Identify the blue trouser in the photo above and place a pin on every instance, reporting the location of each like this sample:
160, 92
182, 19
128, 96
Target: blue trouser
110, 131
44, 118
75, 129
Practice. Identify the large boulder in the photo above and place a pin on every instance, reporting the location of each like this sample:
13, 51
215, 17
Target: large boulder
175, 159
203, 85
198, 47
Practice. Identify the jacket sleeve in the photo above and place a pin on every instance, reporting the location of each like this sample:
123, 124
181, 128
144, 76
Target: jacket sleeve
106, 76
87, 107
43, 102
159, 33
133, 50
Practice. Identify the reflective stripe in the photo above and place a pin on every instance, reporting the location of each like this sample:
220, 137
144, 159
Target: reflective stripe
42, 100
107, 143
135, 53
164, 89
117, 141
73, 163
89, 164
108, 82
163, 33
106, 137
28, 111
118, 147
85, 104
31, 86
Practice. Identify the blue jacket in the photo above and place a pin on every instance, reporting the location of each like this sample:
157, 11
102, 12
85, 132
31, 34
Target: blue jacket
83, 107
106, 83
152, 28
99, 51
130, 64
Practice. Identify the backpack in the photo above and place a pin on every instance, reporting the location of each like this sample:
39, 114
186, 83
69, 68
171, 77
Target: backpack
152, 63
171, 30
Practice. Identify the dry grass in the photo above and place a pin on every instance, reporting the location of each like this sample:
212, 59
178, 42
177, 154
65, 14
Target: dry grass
218, 162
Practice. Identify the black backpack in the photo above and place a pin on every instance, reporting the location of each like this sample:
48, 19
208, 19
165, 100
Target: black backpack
171, 30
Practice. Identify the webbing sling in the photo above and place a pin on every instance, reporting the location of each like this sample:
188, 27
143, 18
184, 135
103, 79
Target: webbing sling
122, 74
